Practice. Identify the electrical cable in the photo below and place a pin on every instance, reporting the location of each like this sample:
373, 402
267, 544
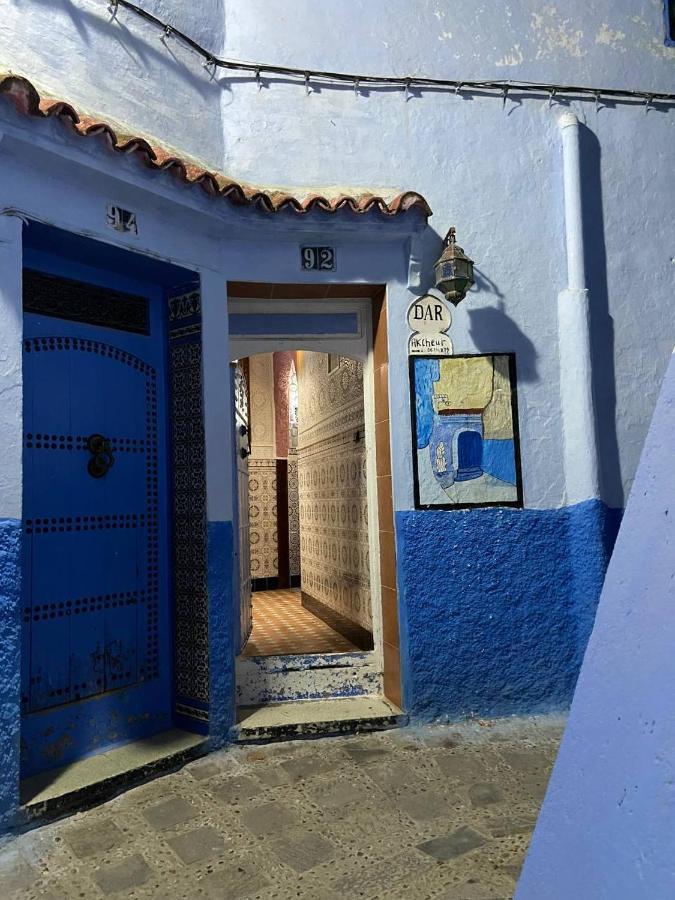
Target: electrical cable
499, 88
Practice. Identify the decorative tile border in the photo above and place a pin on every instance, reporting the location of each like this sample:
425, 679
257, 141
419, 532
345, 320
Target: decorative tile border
191, 648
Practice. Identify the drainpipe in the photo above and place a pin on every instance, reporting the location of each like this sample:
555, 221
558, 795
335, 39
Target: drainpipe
574, 336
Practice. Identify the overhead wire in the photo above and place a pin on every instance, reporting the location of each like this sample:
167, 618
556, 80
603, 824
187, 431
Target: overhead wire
488, 87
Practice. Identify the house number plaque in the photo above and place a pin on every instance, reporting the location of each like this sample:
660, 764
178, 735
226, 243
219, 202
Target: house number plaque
321, 258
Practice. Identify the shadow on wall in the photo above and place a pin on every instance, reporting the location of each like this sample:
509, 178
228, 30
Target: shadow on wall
485, 323
601, 322
491, 324
141, 51
490, 328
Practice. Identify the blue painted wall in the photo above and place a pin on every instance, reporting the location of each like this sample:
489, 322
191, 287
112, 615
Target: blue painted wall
496, 605
10, 644
607, 824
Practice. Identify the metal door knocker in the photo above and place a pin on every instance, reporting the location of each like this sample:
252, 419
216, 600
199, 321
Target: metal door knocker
101, 455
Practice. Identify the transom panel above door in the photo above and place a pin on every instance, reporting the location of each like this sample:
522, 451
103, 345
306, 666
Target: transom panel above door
332, 325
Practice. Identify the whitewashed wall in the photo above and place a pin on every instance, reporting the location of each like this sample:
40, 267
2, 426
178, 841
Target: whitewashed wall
493, 170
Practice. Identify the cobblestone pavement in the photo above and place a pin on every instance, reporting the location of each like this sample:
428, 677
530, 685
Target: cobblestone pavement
439, 812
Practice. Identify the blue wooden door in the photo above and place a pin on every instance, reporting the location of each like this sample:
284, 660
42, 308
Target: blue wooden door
95, 649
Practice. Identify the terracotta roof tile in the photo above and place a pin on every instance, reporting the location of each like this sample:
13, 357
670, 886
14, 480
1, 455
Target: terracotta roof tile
28, 101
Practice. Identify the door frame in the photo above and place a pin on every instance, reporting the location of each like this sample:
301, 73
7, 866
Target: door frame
320, 675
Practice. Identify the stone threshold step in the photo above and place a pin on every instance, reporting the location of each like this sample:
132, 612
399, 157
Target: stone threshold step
315, 718
97, 778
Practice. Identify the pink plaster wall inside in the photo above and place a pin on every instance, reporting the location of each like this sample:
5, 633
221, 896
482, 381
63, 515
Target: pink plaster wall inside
283, 360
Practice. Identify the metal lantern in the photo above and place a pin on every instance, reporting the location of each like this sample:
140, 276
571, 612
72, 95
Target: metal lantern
454, 270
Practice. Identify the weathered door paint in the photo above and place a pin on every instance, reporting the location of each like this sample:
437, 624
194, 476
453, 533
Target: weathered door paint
95, 636
242, 450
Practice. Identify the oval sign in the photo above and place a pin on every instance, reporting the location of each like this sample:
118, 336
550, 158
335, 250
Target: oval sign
429, 315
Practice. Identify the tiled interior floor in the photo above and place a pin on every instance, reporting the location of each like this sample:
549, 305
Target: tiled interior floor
281, 626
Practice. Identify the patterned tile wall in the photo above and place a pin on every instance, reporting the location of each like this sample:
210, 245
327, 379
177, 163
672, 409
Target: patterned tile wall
262, 468
261, 377
293, 488
283, 371
332, 486
262, 506
293, 517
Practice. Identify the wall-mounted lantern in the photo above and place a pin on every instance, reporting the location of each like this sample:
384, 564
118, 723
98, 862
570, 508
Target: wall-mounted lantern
453, 270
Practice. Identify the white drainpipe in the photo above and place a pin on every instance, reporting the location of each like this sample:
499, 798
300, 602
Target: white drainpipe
574, 336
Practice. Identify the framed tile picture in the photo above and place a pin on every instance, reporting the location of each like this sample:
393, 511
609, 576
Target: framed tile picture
466, 449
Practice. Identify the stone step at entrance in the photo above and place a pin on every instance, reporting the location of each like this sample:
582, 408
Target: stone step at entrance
314, 718
96, 778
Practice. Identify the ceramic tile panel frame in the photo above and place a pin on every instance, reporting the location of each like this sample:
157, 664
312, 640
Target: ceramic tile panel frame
190, 552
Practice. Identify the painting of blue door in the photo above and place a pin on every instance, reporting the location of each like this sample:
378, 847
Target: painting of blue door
469, 455
465, 431
96, 654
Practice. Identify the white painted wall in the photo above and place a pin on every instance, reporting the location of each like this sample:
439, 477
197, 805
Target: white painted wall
121, 69
494, 171
485, 39
218, 418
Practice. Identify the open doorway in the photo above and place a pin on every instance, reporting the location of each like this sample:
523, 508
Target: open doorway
330, 340
304, 458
